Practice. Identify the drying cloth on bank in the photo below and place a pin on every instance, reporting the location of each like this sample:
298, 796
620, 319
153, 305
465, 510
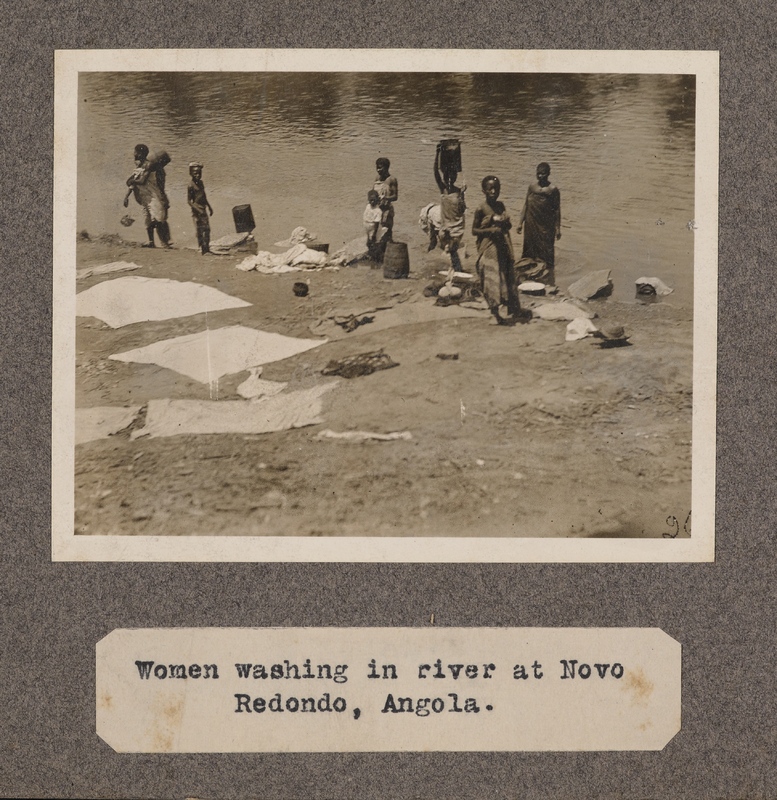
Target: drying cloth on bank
299, 235
351, 252
658, 286
124, 301
102, 421
225, 243
208, 355
283, 412
254, 387
107, 269
579, 328
298, 256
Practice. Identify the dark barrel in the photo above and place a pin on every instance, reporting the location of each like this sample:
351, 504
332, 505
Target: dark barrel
450, 155
396, 261
244, 219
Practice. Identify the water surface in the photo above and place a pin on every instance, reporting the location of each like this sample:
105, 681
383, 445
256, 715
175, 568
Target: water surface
301, 147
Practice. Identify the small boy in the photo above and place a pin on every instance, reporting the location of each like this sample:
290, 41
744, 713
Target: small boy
198, 202
373, 214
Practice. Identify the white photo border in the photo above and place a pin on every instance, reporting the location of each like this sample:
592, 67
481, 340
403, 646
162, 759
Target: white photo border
68, 546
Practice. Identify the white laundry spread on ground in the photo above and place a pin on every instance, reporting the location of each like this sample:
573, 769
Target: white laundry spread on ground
299, 235
225, 243
254, 387
107, 269
283, 412
210, 354
124, 301
660, 287
579, 328
297, 257
102, 421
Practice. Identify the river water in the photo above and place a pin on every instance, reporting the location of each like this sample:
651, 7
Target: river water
301, 149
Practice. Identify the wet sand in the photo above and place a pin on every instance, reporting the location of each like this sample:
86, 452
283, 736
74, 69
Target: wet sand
523, 435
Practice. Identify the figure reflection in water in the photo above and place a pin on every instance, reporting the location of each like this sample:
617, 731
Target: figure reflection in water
542, 216
491, 225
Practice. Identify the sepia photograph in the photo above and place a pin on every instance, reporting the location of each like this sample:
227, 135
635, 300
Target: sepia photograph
310, 309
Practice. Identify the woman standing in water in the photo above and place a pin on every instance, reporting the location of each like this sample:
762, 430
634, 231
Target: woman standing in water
542, 215
387, 187
491, 226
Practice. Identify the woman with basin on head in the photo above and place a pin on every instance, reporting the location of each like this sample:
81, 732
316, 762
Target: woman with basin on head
452, 204
542, 215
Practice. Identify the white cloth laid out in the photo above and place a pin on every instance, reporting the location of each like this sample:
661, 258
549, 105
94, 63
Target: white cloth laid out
579, 328
254, 387
295, 258
283, 412
660, 287
299, 235
351, 252
102, 421
430, 218
124, 301
107, 269
210, 354
225, 243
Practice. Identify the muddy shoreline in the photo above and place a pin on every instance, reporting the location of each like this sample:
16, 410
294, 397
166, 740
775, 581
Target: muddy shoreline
522, 435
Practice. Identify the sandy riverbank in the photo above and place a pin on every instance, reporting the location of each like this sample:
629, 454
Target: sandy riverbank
523, 435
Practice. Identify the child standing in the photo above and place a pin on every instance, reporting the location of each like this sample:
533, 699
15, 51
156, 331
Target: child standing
198, 202
373, 214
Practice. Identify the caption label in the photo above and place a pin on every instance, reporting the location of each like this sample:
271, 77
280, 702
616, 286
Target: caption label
214, 690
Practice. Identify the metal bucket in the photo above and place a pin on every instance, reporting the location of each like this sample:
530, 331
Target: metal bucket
244, 219
450, 155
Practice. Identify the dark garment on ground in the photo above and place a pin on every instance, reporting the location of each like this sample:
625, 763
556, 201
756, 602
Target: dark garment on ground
495, 262
542, 219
